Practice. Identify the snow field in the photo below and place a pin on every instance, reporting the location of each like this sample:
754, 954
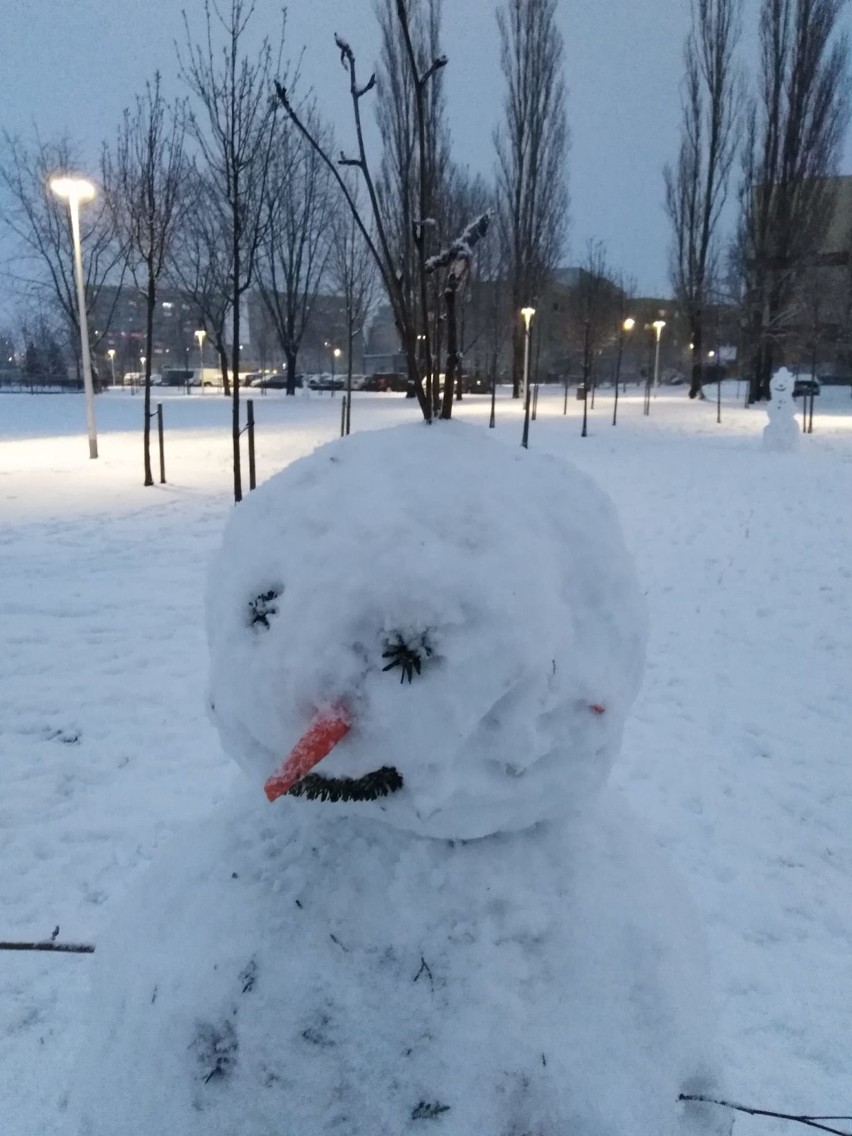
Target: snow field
735, 756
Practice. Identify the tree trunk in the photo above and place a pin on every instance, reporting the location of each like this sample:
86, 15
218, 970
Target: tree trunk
235, 375
697, 332
149, 341
291, 371
223, 366
517, 358
350, 339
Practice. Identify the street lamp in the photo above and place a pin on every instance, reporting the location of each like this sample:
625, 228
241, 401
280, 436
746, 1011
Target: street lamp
200, 336
528, 314
658, 326
75, 191
627, 326
111, 357
335, 355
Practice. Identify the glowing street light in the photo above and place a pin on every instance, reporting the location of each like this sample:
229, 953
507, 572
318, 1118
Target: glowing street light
200, 336
528, 314
658, 326
75, 191
111, 357
626, 327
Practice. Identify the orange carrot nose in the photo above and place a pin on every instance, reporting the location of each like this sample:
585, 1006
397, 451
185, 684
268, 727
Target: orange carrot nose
317, 742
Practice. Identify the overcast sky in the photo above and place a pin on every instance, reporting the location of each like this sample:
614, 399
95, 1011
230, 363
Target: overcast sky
75, 65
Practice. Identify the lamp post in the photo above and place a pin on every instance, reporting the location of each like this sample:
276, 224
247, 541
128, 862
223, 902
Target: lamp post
658, 326
75, 191
528, 314
335, 355
200, 336
111, 357
627, 325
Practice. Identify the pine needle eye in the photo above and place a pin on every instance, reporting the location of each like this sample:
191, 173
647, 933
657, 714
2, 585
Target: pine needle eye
263, 607
407, 656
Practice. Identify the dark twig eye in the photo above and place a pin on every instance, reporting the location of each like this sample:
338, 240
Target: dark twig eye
263, 607
406, 656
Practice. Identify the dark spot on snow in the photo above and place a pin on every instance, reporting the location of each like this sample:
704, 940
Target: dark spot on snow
154, 996
235, 875
263, 607
424, 969
66, 737
319, 1034
428, 1111
299, 904
248, 975
335, 939
543, 1059
216, 1048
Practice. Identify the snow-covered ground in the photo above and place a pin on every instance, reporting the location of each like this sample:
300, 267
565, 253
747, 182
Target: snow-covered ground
736, 758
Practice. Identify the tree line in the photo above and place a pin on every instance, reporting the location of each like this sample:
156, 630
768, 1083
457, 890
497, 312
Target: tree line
240, 185
773, 140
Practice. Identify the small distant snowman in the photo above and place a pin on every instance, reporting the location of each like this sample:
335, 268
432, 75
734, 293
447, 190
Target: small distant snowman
425, 910
781, 431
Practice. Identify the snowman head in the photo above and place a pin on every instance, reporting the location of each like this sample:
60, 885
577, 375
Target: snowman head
781, 385
422, 625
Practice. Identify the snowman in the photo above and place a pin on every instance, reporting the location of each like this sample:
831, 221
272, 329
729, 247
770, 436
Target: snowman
781, 432
424, 910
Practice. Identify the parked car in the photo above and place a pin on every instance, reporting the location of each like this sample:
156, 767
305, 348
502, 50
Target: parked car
385, 381
325, 383
806, 386
275, 381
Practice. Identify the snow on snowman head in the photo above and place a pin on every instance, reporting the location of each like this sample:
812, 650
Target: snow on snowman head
424, 626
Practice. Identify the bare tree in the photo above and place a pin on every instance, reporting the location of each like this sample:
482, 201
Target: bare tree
40, 222
532, 147
697, 186
200, 266
457, 259
377, 235
234, 128
596, 301
465, 197
794, 130
352, 275
146, 183
413, 179
295, 244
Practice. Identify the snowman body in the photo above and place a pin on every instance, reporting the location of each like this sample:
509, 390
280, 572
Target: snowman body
340, 976
489, 944
781, 432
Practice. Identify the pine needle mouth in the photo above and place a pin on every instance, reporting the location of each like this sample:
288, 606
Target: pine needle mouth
371, 787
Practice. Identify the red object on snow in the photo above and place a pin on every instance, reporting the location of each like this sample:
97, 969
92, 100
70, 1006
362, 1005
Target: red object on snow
596, 708
317, 742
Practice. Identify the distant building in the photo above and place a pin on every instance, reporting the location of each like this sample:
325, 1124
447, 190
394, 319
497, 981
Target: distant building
123, 311
326, 332
814, 326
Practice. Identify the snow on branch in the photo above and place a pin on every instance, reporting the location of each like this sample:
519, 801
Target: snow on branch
347, 55
437, 64
462, 248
